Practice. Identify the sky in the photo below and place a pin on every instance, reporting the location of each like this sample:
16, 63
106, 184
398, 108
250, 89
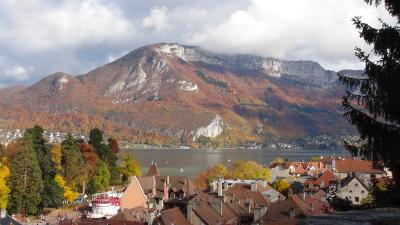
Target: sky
41, 37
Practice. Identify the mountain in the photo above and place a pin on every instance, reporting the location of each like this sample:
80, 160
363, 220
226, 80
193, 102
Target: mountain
181, 92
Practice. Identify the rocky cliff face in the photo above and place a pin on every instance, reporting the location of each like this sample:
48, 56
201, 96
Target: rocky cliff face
212, 130
170, 88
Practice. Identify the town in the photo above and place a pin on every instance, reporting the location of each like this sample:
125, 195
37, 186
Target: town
284, 192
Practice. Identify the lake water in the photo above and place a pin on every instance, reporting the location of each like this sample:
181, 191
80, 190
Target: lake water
190, 162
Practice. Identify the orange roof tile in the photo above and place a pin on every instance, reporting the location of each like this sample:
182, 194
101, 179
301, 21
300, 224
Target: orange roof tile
356, 166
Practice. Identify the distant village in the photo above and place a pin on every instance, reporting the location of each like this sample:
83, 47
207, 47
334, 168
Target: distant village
309, 142
297, 193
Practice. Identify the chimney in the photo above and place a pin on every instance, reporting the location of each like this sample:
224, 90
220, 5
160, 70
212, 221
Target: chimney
333, 165
167, 178
154, 186
290, 192
3, 213
292, 213
264, 183
303, 196
257, 215
322, 184
150, 217
250, 205
220, 194
214, 186
217, 206
253, 186
189, 213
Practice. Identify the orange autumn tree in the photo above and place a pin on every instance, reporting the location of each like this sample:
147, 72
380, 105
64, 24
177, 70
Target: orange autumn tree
204, 178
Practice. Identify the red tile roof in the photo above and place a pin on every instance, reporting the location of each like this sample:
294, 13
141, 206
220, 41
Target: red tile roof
356, 166
99, 221
325, 179
311, 206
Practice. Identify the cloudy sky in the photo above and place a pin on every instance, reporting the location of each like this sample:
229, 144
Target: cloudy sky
40, 37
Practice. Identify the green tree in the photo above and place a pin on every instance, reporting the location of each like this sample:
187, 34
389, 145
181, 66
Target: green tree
101, 177
71, 162
372, 100
105, 154
129, 167
52, 194
26, 179
95, 137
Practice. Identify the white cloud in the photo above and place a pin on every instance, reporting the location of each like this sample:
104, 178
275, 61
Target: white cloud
158, 19
36, 26
16, 73
307, 29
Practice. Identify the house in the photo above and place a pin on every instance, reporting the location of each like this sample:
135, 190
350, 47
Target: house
208, 209
285, 212
83, 221
311, 206
166, 192
133, 195
353, 189
323, 182
248, 199
297, 168
171, 217
138, 214
278, 171
261, 186
360, 168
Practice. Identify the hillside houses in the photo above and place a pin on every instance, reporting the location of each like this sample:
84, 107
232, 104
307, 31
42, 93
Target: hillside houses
165, 200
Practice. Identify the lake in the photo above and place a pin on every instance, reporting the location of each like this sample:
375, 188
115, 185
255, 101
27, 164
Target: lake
189, 162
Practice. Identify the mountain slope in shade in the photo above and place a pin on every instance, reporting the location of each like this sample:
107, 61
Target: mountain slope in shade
185, 91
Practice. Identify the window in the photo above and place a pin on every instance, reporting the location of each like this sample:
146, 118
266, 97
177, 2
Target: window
355, 184
362, 192
351, 191
357, 199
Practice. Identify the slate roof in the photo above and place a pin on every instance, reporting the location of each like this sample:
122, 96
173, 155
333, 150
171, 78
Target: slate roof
8, 220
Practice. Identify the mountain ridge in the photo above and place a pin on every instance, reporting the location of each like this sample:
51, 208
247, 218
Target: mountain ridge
177, 91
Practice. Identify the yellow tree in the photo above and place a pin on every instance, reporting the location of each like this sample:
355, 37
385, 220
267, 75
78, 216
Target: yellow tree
249, 170
129, 167
4, 189
69, 194
281, 185
278, 160
56, 155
